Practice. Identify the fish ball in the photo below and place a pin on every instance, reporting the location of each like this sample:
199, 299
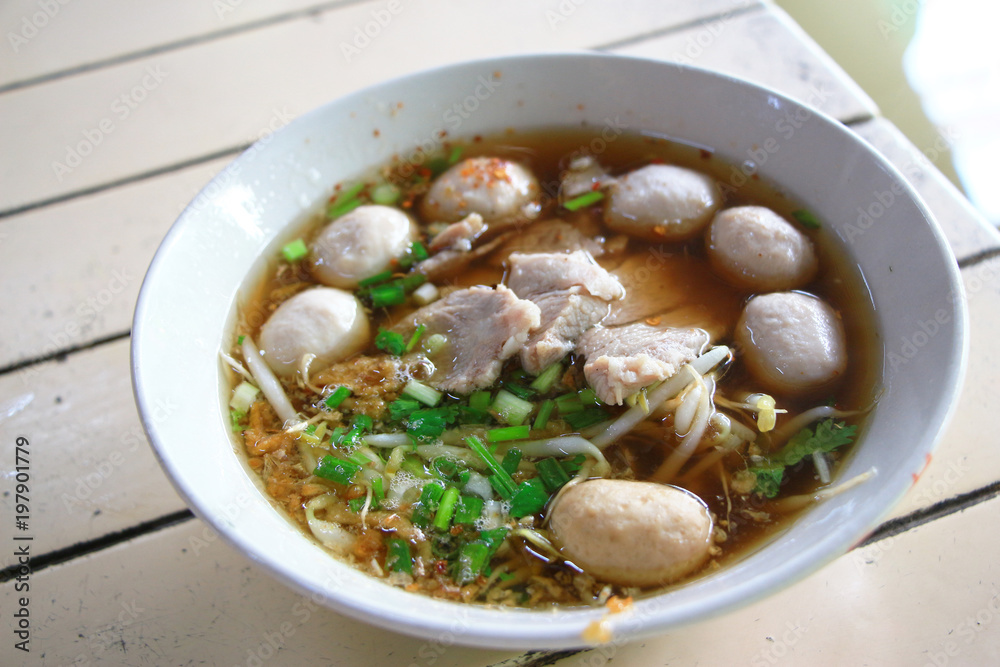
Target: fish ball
632, 533
662, 202
499, 190
360, 244
755, 248
792, 341
324, 321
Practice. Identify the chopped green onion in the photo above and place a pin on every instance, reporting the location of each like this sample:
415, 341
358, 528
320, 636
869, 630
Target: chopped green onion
442, 519
446, 468
430, 423
412, 281
433, 344
376, 279
295, 250
334, 400
418, 251
544, 412
472, 558
426, 395
337, 436
243, 396
510, 408
378, 490
468, 509
511, 460
385, 194
437, 165
336, 470
430, 499
480, 400
346, 201
387, 294
504, 483
311, 429
356, 504
518, 390
573, 465
583, 200
530, 498
236, 417
547, 378
586, 418
455, 155
806, 218
421, 328
493, 538
552, 474
589, 397
398, 558
568, 404
508, 433
390, 341
239, 340
359, 458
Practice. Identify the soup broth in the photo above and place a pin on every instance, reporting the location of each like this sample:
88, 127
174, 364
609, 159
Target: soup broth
356, 467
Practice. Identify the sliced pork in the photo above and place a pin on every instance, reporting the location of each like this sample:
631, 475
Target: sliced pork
482, 327
572, 292
622, 360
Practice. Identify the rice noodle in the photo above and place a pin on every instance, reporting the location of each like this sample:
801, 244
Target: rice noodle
267, 382
667, 390
567, 445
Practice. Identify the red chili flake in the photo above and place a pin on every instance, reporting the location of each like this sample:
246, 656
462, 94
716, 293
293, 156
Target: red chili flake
441, 566
376, 133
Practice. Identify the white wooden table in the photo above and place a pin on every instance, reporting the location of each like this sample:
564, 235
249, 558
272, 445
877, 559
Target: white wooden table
114, 114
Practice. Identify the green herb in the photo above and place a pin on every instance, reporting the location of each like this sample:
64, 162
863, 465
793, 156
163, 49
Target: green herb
828, 436
418, 332
552, 474
376, 279
569, 403
385, 194
378, 490
806, 218
511, 460
589, 397
493, 538
511, 409
334, 400
508, 433
472, 559
387, 294
500, 479
336, 470
295, 250
357, 504
426, 395
480, 400
427, 506
547, 378
530, 498
390, 341
585, 418
468, 509
455, 155
573, 465
345, 202
442, 519
237, 417
239, 341
398, 558
430, 423
402, 407
544, 412
583, 200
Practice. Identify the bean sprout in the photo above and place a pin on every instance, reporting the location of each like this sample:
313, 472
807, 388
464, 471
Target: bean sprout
267, 382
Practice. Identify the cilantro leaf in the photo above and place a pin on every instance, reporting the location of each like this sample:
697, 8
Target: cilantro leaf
828, 436
768, 479
390, 341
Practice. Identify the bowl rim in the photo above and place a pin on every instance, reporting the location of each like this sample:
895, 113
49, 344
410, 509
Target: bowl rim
527, 635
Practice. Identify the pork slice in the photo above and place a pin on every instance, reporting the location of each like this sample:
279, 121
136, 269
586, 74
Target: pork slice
564, 316
543, 272
555, 236
482, 327
459, 235
446, 263
571, 290
622, 360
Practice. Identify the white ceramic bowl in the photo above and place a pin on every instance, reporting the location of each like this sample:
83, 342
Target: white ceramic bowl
185, 312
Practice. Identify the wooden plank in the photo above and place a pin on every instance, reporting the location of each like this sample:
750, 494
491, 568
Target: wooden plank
964, 227
92, 471
94, 252
101, 126
768, 48
49, 37
180, 596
